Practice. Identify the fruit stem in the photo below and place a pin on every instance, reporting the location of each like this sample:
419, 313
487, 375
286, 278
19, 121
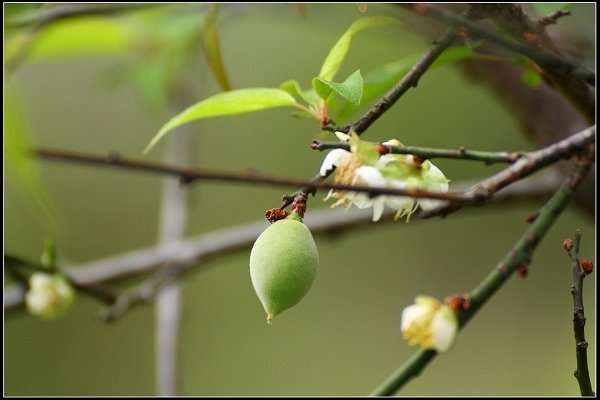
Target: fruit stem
299, 204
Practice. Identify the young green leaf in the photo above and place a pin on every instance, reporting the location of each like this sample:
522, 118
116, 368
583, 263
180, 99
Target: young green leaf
227, 103
351, 89
18, 160
76, 37
338, 52
212, 48
381, 79
544, 9
293, 87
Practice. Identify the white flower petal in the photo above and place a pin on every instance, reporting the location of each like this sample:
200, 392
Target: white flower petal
398, 202
411, 314
333, 159
445, 328
378, 210
362, 200
371, 176
344, 137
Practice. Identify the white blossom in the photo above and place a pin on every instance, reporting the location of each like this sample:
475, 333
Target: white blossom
429, 324
364, 166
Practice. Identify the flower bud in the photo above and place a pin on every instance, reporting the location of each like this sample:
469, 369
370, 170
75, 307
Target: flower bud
49, 296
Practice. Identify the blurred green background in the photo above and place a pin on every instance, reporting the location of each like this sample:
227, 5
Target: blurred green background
343, 338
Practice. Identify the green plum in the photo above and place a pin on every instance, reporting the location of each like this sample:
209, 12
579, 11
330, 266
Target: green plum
283, 265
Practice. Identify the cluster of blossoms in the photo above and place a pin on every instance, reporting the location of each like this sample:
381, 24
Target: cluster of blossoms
364, 165
49, 296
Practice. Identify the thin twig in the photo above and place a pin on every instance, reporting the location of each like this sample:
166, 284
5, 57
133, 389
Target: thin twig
552, 18
411, 79
540, 56
488, 157
519, 255
525, 165
16, 266
189, 175
582, 372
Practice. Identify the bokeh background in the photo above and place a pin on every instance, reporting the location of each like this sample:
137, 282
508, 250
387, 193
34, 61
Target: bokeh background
343, 338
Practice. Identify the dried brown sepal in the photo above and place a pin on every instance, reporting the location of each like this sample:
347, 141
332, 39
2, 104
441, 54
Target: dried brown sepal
418, 160
275, 214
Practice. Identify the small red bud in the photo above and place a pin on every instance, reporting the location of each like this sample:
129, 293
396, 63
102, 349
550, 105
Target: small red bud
523, 270
382, 149
458, 302
587, 266
568, 244
531, 217
421, 8
530, 36
418, 160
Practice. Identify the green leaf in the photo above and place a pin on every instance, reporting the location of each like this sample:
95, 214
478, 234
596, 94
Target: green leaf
17, 157
338, 52
82, 36
227, 103
212, 48
351, 89
531, 78
545, 9
381, 79
365, 151
293, 87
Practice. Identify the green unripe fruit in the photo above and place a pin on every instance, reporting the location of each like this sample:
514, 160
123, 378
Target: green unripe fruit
283, 265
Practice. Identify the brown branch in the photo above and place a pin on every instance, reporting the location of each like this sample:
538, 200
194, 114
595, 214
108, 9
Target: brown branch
411, 79
461, 154
189, 175
542, 57
526, 165
579, 273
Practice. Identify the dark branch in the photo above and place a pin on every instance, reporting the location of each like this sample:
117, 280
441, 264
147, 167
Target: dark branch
462, 154
540, 56
526, 165
582, 373
411, 79
189, 175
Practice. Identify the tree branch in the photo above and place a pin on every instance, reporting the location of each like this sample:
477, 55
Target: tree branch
189, 175
520, 254
582, 372
540, 56
526, 165
462, 154
411, 79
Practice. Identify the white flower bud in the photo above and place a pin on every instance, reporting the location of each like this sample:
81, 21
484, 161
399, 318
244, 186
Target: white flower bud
49, 296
